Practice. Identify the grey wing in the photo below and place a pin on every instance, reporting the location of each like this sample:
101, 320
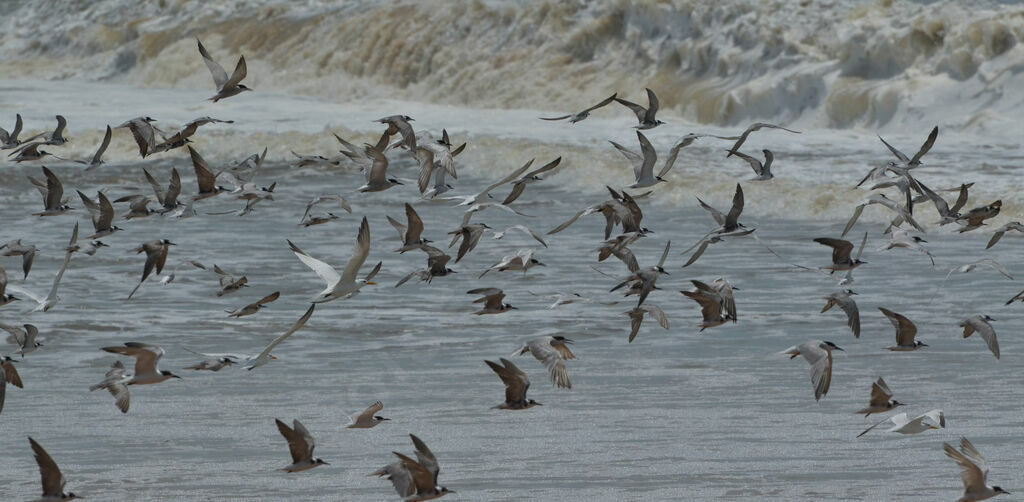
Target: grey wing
821, 370
297, 326
52, 479
553, 362
238, 74
754, 163
697, 254
894, 151
563, 117
220, 77
852, 314
572, 220
652, 106
306, 437
604, 102
650, 156
635, 159
880, 393
926, 146
359, 253
716, 214
103, 146
737, 207
659, 315
637, 110
269, 298
426, 457
972, 475
988, 333
296, 445
415, 224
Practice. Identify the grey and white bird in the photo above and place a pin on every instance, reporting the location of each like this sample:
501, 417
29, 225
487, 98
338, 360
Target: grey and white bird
30, 151
998, 234
226, 86
762, 170
26, 337
10, 140
973, 472
143, 132
377, 175
560, 299
970, 267
712, 304
643, 164
728, 223
44, 304
368, 418
882, 200
437, 266
169, 278
53, 199
576, 117
646, 116
900, 238
647, 277
849, 307
254, 307
621, 208
168, 199
205, 178
980, 323
228, 283
552, 351
947, 214
522, 260
8, 375
346, 284
916, 160
146, 359
516, 385
115, 381
818, 354
841, 251
54, 137
754, 127
485, 194
102, 213
902, 424
300, 445
411, 235
636, 318
880, 399
519, 185
180, 138
97, 158
52, 479
251, 361
212, 364
470, 234
27, 252
492, 301
156, 256
906, 331
415, 480
308, 220
399, 124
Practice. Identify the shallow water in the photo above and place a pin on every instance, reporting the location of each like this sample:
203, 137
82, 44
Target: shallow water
675, 415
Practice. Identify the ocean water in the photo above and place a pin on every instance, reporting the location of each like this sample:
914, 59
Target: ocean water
675, 415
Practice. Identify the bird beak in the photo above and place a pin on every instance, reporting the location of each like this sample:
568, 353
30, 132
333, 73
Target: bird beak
382, 418
171, 244
273, 356
838, 348
175, 376
371, 282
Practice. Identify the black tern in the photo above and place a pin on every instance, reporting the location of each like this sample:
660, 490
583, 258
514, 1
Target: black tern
636, 318
300, 445
519, 185
8, 375
841, 251
376, 176
411, 236
763, 171
647, 276
44, 304
102, 213
576, 117
415, 480
52, 479
204, 177
711, 302
1013, 225
849, 307
26, 251
437, 266
25, 337
980, 323
346, 284
916, 160
97, 158
975, 218
399, 124
367, 419
905, 332
254, 307
754, 127
646, 116
156, 256
10, 140
146, 358
973, 472
516, 385
819, 354
492, 301
53, 200
55, 137
470, 234
251, 361
643, 164
226, 86
143, 132
880, 403
553, 351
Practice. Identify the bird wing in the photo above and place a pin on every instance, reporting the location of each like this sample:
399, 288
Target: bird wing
652, 106
604, 102
542, 349
146, 356
296, 443
220, 77
895, 152
269, 298
737, 208
52, 479
635, 159
840, 249
157, 189
563, 117
426, 457
174, 189
821, 367
880, 393
995, 265
659, 315
377, 173
103, 147
359, 253
54, 189
905, 329
238, 74
664, 254
716, 214
650, 157
325, 271
637, 110
298, 325
368, 413
987, 332
422, 478
852, 314
754, 163
415, 224
924, 147
972, 474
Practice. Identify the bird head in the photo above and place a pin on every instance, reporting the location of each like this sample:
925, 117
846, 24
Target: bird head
168, 243
273, 356
830, 346
896, 403
226, 360
562, 339
444, 489
407, 118
659, 122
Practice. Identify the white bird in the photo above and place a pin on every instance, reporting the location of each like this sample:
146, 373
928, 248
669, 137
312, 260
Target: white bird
300, 445
754, 127
146, 359
367, 419
643, 165
900, 238
251, 361
763, 171
973, 472
345, 284
933, 419
980, 323
226, 86
843, 300
25, 337
819, 354
553, 351
52, 479
969, 267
